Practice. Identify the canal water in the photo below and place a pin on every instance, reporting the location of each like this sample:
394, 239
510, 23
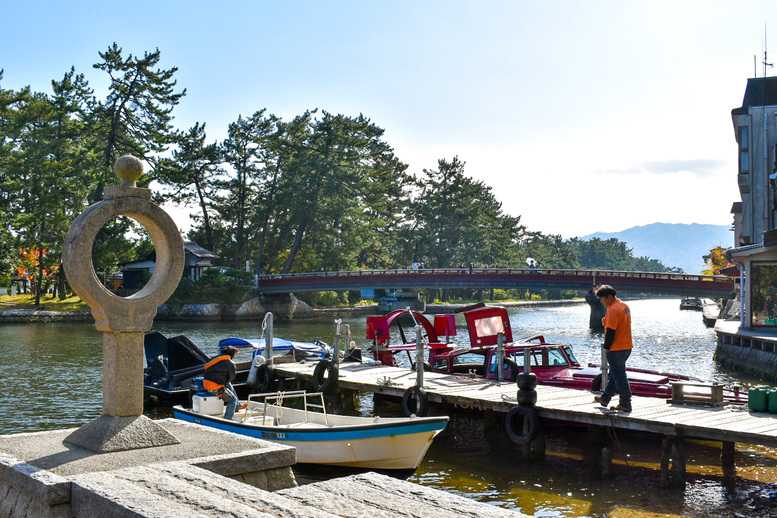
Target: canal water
52, 379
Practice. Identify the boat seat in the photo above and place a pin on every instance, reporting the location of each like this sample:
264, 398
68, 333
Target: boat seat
258, 421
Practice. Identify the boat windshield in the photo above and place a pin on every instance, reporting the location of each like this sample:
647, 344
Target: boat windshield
534, 356
556, 357
542, 357
571, 355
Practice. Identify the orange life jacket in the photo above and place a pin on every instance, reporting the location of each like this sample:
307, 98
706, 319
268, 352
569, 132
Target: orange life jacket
212, 385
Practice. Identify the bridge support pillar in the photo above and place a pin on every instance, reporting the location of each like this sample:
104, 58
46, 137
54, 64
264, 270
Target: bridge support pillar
597, 310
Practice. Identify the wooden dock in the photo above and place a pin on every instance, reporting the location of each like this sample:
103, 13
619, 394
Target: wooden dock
729, 423
675, 422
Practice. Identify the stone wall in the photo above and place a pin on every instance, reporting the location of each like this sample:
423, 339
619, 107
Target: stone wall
33, 315
762, 364
282, 306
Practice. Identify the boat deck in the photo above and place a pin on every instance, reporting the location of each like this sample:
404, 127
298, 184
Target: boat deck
732, 423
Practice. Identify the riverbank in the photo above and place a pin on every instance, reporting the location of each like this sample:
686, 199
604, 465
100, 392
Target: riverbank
288, 307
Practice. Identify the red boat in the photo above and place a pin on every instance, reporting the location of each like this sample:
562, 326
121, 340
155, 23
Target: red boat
553, 364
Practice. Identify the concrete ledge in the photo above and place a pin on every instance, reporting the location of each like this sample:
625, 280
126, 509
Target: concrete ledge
51, 489
103, 494
214, 448
177, 489
272, 456
265, 501
372, 494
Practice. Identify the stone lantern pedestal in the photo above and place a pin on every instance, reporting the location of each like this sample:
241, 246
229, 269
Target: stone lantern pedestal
123, 320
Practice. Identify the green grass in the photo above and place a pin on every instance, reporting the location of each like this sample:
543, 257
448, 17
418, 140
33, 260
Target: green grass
47, 303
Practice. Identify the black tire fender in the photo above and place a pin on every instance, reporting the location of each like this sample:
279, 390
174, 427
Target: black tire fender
509, 362
527, 397
328, 384
526, 381
520, 434
596, 384
418, 395
264, 378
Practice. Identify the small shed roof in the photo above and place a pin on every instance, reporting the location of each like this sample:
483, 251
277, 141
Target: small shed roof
198, 251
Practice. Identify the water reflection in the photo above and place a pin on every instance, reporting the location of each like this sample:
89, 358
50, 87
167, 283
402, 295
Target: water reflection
53, 378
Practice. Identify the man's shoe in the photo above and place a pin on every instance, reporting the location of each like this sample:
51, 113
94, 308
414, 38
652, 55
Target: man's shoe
620, 408
600, 400
243, 406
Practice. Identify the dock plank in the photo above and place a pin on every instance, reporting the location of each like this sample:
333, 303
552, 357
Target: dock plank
559, 403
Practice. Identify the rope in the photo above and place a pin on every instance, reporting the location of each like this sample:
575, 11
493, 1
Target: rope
264, 324
617, 442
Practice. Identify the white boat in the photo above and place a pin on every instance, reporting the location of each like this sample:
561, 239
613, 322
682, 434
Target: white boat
321, 437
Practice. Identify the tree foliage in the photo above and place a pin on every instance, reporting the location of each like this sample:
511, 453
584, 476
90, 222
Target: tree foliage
320, 191
715, 261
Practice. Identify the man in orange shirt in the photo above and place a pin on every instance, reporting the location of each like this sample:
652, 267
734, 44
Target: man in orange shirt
617, 342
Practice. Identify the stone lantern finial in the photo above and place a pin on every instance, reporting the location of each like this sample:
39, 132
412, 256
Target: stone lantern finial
128, 168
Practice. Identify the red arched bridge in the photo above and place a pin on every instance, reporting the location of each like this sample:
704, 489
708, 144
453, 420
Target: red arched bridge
505, 278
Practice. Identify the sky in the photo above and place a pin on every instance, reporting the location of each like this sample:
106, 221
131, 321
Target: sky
582, 116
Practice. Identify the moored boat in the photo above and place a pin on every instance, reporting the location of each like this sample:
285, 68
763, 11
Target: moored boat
553, 364
692, 303
173, 363
390, 443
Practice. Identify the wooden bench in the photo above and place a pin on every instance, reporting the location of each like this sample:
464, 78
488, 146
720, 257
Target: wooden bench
710, 395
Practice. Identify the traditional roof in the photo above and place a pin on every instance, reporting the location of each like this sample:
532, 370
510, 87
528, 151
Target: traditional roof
198, 251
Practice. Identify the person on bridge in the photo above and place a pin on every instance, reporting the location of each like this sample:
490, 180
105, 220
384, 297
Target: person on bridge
618, 343
219, 373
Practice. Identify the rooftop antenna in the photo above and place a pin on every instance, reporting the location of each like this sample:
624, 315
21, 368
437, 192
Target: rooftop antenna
766, 63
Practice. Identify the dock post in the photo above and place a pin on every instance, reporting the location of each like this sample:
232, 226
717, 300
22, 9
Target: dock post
419, 357
595, 448
606, 454
500, 357
336, 344
268, 340
673, 462
414, 399
727, 454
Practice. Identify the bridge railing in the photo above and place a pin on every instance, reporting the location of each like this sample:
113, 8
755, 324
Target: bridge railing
498, 271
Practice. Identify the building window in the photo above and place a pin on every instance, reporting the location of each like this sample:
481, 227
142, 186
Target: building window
763, 293
744, 149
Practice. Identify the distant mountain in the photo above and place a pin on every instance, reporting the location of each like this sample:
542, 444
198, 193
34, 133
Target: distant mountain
674, 244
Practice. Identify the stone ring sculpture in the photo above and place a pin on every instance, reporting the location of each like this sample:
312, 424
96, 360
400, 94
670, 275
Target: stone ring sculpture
136, 312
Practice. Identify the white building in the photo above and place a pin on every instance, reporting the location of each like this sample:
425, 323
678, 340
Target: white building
745, 341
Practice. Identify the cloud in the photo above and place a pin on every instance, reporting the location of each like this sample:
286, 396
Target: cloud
701, 167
